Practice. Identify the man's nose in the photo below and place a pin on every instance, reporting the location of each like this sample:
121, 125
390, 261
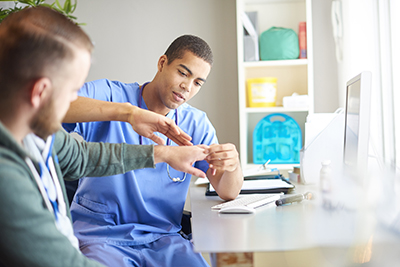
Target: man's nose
186, 86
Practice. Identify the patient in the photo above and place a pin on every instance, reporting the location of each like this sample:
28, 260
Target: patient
44, 60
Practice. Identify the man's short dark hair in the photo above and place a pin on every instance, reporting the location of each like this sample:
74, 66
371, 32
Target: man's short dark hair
191, 43
35, 42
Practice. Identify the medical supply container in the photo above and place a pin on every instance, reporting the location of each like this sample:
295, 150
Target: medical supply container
277, 137
261, 92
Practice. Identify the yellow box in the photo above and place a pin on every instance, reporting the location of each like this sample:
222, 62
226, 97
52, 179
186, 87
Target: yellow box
261, 92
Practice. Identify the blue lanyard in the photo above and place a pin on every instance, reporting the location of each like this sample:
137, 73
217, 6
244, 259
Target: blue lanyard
140, 106
53, 202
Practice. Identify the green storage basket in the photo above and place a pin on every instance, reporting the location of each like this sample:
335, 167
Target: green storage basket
278, 43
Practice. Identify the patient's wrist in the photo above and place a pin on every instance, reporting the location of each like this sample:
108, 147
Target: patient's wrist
161, 153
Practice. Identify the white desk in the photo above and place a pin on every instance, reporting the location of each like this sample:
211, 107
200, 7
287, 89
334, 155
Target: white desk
286, 228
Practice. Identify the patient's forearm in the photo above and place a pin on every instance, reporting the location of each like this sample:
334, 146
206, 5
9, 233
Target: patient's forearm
87, 109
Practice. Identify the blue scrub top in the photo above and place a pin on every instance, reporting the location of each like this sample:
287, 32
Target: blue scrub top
142, 205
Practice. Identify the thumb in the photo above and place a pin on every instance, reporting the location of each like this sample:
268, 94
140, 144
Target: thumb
158, 140
196, 172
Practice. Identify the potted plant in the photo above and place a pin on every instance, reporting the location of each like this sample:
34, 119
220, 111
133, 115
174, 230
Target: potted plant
67, 9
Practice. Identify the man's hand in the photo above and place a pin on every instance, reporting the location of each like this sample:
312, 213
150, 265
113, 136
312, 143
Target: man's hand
181, 158
223, 157
225, 173
146, 122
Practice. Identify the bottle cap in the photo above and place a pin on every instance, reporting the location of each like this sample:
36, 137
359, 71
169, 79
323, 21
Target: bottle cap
326, 162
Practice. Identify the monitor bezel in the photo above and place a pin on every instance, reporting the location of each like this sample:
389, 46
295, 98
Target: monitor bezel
364, 125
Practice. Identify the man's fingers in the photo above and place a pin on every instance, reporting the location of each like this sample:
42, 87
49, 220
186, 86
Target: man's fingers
220, 163
180, 141
222, 156
174, 130
179, 137
185, 135
196, 172
158, 140
216, 148
213, 171
172, 127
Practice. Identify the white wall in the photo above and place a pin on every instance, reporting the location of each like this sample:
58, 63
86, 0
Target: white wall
326, 85
395, 8
130, 36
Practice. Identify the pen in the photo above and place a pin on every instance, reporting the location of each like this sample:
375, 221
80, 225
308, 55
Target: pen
293, 198
264, 166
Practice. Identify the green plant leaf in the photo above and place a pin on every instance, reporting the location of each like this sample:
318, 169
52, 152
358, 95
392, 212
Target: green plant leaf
73, 7
67, 9
28, 2
47, 5
58, 4
67, 6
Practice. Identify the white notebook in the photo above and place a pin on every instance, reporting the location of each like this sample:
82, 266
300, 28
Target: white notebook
260, 186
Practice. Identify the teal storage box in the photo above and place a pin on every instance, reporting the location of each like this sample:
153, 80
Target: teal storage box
278, 43
277, 137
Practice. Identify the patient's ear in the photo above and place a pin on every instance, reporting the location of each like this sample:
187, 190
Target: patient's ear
40, 92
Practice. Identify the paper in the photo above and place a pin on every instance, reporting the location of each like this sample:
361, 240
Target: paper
259, 171
262, 184
252, 32
201, 181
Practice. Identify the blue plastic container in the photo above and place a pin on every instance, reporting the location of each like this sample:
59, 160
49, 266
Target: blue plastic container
277, 137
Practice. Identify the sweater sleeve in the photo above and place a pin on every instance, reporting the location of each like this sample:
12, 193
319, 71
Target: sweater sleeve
29, 236
80, 159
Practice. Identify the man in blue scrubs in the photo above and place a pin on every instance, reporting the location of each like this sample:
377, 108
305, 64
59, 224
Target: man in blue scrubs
134, 219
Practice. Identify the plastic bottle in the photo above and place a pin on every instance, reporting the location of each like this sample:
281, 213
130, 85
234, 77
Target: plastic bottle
325, 176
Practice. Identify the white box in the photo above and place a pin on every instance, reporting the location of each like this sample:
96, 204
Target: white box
296, 101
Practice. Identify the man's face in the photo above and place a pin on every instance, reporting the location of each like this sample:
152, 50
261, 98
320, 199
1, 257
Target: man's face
64, 89
182, 79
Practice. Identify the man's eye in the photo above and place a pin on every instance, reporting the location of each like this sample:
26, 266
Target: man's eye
182, 73
198, 84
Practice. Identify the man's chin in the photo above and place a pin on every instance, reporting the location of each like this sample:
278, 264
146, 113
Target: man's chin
44, 133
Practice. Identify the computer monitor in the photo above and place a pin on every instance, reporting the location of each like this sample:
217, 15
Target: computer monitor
357, 125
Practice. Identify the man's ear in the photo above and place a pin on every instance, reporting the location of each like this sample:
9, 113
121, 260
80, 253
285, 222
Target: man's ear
40, 91
162, 62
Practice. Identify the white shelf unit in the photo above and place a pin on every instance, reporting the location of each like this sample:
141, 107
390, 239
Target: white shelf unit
293, 75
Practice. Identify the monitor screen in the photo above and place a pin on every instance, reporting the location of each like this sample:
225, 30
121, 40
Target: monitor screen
357, 123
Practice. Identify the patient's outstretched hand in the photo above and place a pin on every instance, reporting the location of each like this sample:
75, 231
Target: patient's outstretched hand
181, 158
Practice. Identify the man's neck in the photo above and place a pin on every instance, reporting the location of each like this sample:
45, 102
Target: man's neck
16, 118
153, 101
17, 128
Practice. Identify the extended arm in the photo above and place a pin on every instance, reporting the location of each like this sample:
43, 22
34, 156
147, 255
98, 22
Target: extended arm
79, 159
144, 122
